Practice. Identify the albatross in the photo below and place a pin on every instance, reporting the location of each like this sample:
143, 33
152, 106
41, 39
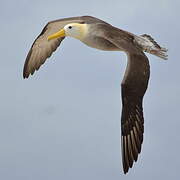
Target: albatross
101, 35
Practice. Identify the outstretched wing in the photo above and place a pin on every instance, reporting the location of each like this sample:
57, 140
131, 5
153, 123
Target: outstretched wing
42, 48
133, 88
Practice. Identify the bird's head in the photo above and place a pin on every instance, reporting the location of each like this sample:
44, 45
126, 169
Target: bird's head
75, 30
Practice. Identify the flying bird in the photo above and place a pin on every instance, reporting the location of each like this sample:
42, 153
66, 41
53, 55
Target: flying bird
101, 35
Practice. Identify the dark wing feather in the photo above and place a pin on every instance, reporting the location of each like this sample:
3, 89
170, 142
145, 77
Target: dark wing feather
133, 88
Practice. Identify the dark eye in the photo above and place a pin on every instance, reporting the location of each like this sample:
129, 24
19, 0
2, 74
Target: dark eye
70, 27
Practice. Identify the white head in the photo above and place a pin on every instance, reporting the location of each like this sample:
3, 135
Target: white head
75, 30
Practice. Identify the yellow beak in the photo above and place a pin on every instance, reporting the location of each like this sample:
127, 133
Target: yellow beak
60, 33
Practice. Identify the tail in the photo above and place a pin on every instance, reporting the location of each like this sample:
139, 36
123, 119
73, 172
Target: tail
148, 44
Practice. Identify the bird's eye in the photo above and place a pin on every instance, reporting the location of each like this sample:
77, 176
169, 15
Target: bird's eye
70, 27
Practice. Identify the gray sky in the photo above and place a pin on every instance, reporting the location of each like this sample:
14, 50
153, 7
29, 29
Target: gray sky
64, 122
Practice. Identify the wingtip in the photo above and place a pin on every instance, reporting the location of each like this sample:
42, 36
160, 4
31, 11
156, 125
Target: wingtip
125, 170
25, 75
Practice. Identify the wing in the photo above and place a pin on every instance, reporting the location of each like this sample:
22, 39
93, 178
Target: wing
42, 48
133, 88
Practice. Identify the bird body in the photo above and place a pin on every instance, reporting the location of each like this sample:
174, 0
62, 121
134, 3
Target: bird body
101, 35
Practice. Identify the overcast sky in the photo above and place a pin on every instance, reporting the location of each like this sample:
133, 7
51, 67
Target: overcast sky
64, 121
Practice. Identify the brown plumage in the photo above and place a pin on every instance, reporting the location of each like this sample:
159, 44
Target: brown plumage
101, 35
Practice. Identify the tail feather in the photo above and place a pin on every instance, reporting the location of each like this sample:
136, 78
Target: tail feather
148, 44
